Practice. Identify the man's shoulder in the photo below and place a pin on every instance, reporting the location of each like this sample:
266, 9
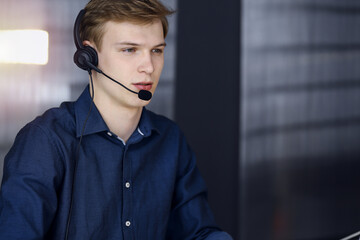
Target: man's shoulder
162, 123
159, 117
56, 119
48, 132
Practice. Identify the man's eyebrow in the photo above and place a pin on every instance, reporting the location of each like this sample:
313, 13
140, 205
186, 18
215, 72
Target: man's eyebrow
127, 43
161, 45
136, 44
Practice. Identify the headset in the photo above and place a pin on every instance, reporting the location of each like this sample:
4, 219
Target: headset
86, 58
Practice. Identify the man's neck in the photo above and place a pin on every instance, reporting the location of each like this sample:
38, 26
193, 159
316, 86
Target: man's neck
120, 120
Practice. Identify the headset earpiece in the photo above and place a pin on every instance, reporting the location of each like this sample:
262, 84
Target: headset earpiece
85, 57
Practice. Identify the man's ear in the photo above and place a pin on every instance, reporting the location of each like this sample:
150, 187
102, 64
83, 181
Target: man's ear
88, 43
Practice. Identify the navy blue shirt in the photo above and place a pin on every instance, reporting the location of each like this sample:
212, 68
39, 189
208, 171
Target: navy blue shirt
148, 188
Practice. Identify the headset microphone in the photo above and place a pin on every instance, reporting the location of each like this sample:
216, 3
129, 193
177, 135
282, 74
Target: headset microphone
86, 58
142, 94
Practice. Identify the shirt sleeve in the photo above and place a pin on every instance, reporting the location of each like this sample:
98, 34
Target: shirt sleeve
28, 197
191, 217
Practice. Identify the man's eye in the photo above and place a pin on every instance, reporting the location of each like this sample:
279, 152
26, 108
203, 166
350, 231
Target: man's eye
129, 50
158, 51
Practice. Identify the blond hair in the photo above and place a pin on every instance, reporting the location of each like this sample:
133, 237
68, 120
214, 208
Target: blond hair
98, 12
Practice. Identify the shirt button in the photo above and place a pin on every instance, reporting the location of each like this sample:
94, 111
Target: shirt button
127, 223
127, 185
110, 134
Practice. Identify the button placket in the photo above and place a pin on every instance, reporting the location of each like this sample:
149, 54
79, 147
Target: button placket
127, 195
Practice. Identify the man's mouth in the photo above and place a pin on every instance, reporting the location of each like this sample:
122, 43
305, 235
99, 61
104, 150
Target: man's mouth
143, 86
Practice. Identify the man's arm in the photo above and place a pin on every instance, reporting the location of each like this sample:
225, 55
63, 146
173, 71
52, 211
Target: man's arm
191, 217
28, 198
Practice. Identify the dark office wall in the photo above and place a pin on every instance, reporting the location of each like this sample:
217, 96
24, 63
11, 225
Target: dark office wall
301, 119
207, 97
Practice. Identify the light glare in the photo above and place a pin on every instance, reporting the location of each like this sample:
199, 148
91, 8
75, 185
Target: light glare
24, 46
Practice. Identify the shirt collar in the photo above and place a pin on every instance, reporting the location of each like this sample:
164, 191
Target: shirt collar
95, 122
146, 124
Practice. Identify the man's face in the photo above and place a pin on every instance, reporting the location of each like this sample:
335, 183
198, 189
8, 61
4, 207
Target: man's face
134, 55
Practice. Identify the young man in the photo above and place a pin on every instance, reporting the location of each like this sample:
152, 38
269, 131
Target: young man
104, 167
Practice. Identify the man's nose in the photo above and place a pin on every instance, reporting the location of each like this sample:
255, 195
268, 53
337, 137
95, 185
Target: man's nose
146, 64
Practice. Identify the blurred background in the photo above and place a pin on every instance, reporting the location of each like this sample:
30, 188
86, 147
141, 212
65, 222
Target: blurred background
266, 91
